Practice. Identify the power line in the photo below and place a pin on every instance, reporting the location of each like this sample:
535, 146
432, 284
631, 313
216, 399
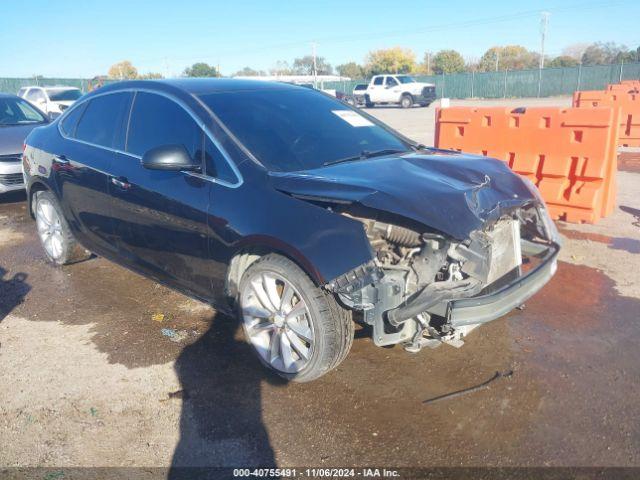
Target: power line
389, 34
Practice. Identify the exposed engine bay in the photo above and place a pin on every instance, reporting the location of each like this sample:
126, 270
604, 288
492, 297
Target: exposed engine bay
406, 292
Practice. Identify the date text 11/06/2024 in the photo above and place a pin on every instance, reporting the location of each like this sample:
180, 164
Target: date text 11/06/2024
316, 473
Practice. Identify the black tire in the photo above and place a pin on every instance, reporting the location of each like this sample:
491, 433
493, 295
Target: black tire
71, 251
368, 103
333, 326
406, 101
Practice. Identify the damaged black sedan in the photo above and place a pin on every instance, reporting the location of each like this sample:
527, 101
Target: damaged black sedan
296, 211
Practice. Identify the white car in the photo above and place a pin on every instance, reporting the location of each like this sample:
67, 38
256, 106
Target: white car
401, 90
51, 100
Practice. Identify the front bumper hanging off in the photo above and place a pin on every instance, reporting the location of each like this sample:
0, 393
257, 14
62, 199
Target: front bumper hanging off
484, 308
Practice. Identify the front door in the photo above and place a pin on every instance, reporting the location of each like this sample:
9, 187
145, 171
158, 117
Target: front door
160, 217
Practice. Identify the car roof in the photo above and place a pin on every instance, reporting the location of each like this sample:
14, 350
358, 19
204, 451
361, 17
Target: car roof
201, 86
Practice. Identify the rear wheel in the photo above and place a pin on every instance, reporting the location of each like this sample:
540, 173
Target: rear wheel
406, 101
59, 245
297, 329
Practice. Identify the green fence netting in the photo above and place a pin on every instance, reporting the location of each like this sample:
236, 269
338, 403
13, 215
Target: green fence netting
504, 84
519, 83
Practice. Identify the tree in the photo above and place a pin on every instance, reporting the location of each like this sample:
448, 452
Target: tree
351, 70
304, 66
448, 61
600, 53
281, 68
510, 57
575, 50
150, 76
201, 69
249, 72
123, 70
391, 60
562, 61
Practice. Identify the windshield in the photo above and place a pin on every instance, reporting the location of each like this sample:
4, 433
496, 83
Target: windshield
405, 79
63, 94
298, 129
15, 111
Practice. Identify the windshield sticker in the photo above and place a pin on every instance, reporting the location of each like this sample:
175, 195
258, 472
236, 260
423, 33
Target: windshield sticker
352, 118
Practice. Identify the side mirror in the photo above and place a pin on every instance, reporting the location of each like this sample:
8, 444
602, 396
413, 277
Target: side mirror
170, 157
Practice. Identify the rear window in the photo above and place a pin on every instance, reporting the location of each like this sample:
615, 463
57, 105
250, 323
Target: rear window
69, 123
102, 119
63, 94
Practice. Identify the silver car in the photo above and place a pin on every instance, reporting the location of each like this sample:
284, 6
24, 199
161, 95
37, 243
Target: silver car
17, 118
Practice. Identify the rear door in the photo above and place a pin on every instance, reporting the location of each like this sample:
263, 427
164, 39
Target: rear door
94, 131
161, 216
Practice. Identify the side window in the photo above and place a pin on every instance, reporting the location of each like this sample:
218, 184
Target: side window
68, 125
391, 82
102, 119
22, 91
215, 164
377, 80
35, 95
157, 120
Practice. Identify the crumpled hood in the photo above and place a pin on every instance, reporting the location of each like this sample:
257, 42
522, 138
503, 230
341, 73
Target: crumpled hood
452, 193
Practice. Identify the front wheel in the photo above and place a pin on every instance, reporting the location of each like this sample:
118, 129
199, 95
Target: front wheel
297, 329
406, 101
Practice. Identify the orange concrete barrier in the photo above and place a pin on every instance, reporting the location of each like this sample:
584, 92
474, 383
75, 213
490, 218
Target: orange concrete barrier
570, 154
626, 101
623, 87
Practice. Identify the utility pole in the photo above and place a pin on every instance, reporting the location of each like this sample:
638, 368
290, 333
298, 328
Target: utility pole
315, 65
428, 63
544, 22
497, 57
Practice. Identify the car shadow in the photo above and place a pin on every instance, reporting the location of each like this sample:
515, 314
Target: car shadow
221, 420
12, 291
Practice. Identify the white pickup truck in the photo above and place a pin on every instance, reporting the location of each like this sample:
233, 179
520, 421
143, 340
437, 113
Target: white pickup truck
401, 90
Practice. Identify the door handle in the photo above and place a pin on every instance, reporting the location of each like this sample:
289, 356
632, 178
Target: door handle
121, 182
61, 160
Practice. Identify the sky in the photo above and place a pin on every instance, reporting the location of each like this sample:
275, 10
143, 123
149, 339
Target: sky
63, 38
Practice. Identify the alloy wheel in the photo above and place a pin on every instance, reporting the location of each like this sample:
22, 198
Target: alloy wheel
277, 322
49, 229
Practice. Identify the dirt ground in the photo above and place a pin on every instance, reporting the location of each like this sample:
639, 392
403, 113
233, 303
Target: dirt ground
89, 379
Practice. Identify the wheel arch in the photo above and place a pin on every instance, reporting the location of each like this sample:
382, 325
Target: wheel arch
255, 248
35, 187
